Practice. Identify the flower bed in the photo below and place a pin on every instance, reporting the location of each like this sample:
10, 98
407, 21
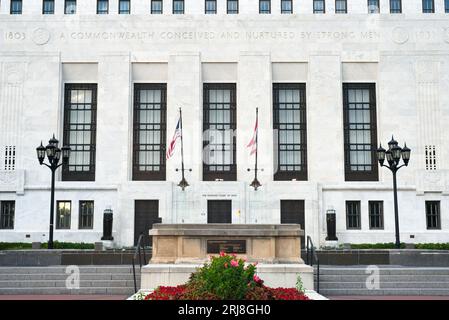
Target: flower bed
225, 278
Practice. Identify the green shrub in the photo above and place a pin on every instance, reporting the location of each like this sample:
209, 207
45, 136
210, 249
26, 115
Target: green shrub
69, 245
225, 277
389, 245
14, 245
432, 246
56, 245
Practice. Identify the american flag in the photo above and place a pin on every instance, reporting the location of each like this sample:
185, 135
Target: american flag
253, 143
176, 135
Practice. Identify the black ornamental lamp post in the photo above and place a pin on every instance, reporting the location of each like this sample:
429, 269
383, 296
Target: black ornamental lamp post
393, 156
54, 154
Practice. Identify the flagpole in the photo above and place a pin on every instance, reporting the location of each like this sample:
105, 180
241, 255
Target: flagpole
256, 184
257, 140
183, 184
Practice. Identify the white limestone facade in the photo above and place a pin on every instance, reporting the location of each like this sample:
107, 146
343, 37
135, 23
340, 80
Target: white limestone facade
405, 55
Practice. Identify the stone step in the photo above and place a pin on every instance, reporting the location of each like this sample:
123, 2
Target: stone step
385, 271
56, 291
386, 292
62, 269
386, 285
382, 278
62, 284
63, 276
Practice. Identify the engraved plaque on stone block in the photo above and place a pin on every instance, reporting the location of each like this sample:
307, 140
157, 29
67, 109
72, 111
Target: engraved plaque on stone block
227, 246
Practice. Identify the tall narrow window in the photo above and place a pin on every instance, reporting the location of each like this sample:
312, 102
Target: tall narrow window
395, 6
102, 6
428, 6
319, 6
48, 7
10, 158
86, 215
353, 215
16, 7
63, 214
376, 214
219, 124
264, 6
286, 6
431, 157
341, 6
124, 7
232, 6
80, 117
70, 7
7, 211
446, 6
178, 6
360, 131
210, 6
156, 7
289, 124
433, 215
373, 6
150, 113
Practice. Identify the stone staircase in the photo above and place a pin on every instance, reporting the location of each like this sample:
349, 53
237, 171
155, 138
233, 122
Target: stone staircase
51, 280
393, 281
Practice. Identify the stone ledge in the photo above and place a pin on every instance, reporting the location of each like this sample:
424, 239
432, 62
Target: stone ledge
274, 275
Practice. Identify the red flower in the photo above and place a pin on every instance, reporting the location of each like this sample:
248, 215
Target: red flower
222, 254
256, 278
234, 263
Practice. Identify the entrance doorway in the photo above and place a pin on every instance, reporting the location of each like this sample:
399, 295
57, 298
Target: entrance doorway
292, 211
146, 213
219, 211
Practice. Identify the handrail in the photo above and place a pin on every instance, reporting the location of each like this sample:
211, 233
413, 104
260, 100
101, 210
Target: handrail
138, 252
312, 257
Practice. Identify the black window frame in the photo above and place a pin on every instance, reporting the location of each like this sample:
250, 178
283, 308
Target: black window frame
208, 174
153, 11
287, 175
120, 11
139, 175
287, 11
315, 10
100, 10
66, 3
376, 214
228, 10
89, 175
338, 11
377, 6
394, 10
433, 219
425, 9
264, 11
13, 10
89, 215
446, 6
360, 175
352, 217
175, 11
206, 10
7, 219
58, 216
45, 9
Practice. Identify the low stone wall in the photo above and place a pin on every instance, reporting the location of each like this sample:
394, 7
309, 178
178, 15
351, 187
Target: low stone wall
34, 258
402, 257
